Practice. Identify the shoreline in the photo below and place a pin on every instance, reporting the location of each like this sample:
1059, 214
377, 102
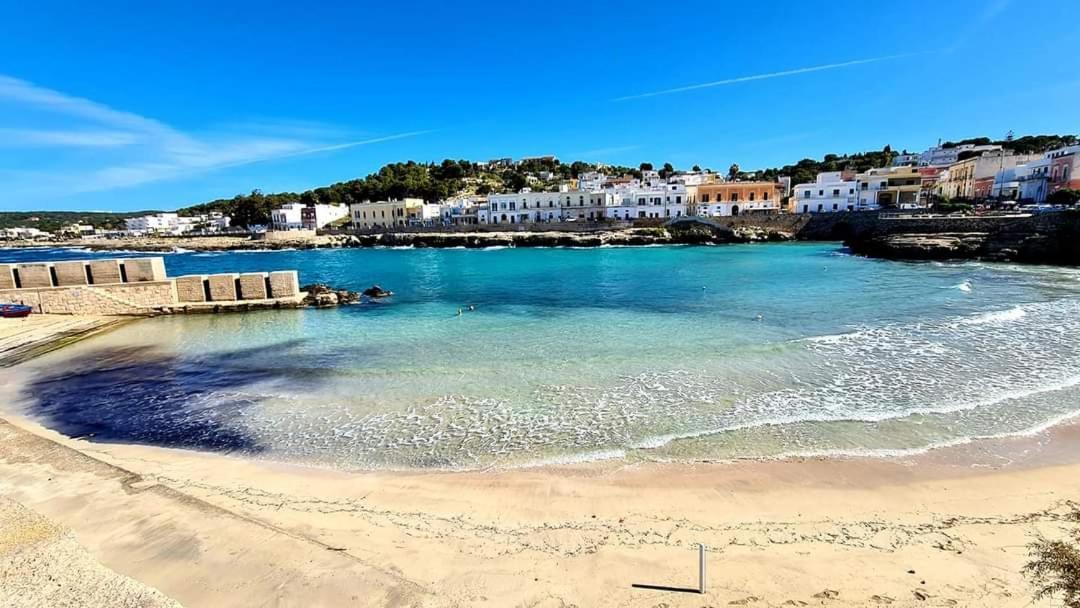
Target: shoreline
959, 516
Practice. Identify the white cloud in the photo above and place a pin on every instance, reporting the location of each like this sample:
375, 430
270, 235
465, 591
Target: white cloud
144, 150
781, 74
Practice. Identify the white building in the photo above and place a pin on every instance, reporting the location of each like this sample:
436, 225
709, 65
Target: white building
156, 223
591, 181
287, 217
298, 216
644, 202
540, 207
830, 192
939, 156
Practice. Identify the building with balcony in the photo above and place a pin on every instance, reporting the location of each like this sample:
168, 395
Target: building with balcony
1064, 169
830, 192
734, 198
663, 201
381, 215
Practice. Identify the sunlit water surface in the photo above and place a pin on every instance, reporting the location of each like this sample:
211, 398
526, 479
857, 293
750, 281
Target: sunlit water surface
681, 353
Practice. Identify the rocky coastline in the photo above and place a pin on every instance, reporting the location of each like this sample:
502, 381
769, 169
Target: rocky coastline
1047, 239
695, 234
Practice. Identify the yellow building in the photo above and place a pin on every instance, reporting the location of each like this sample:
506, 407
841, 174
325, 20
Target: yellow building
385, 214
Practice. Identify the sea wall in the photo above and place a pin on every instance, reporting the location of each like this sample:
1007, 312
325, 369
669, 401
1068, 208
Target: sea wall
139, 286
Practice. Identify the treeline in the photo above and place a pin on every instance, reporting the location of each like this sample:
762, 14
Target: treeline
438, 181
806, 170
52, 221
1028, 144
429, 181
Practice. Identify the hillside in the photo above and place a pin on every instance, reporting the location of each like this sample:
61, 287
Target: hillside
437, 181
51, 221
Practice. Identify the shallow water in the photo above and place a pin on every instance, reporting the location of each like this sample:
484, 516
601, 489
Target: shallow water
578, 354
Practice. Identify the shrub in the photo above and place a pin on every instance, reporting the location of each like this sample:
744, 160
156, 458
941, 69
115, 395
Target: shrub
1054, 569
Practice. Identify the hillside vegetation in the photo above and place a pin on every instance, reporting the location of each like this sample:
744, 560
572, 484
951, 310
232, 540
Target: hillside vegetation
438, 181
51, 221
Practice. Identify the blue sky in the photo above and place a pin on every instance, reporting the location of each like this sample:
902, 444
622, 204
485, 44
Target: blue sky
137, 105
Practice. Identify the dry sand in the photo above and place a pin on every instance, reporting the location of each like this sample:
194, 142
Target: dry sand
949, 528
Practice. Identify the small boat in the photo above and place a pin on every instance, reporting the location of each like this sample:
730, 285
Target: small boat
14, 311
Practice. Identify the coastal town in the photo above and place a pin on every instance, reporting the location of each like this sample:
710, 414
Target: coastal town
943, 179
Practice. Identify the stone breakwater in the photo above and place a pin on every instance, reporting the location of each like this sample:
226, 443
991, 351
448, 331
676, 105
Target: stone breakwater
139, 286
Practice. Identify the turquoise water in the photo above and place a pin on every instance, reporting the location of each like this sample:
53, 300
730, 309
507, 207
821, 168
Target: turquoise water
683, 353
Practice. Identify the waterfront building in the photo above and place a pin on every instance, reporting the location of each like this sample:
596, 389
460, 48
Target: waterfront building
1032, 182
973, 178
313, 217
539, 207
663, 201
1064, 169
154, 223
734, 198
174, 224
889, 187
461, 211
370, 215
831, 191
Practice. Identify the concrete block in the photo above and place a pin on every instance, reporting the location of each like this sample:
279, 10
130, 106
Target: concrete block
191, 288
70, 273
253, 286
284, 284
7, 280
34, 275
223, 287
105, 272
144, 269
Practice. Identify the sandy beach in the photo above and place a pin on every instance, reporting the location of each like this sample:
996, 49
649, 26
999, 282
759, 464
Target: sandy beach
946, 528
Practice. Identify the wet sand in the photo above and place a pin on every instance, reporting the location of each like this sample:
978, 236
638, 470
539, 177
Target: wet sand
947, 528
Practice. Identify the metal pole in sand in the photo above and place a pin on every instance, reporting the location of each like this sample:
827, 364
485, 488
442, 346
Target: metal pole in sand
701, 569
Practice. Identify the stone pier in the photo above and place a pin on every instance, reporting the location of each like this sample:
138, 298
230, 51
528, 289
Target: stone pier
139, 286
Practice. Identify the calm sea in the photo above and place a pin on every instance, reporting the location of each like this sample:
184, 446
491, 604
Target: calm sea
673, 353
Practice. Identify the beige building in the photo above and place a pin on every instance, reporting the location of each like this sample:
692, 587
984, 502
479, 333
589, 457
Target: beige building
889, 187
973, 178
386, 214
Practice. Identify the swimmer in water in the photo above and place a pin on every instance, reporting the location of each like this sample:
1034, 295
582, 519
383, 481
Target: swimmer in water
459, 312
471, 307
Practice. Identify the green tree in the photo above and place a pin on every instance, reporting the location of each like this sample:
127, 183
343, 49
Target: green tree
733, 171
1066, 196
645, 167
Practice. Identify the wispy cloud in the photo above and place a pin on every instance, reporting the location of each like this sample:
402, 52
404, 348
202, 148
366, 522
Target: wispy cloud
781, 74
991, 9
139, 150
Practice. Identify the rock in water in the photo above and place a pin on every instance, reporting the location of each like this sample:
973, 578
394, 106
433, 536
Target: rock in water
321, 295
377, 292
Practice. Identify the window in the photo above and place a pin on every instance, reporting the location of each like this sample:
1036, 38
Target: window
821, 193
678, 200
851, 191
764, 196
705, 197
734, 197
641, 201
834, 207
751, 196
806, 208
836, 192
820, 208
